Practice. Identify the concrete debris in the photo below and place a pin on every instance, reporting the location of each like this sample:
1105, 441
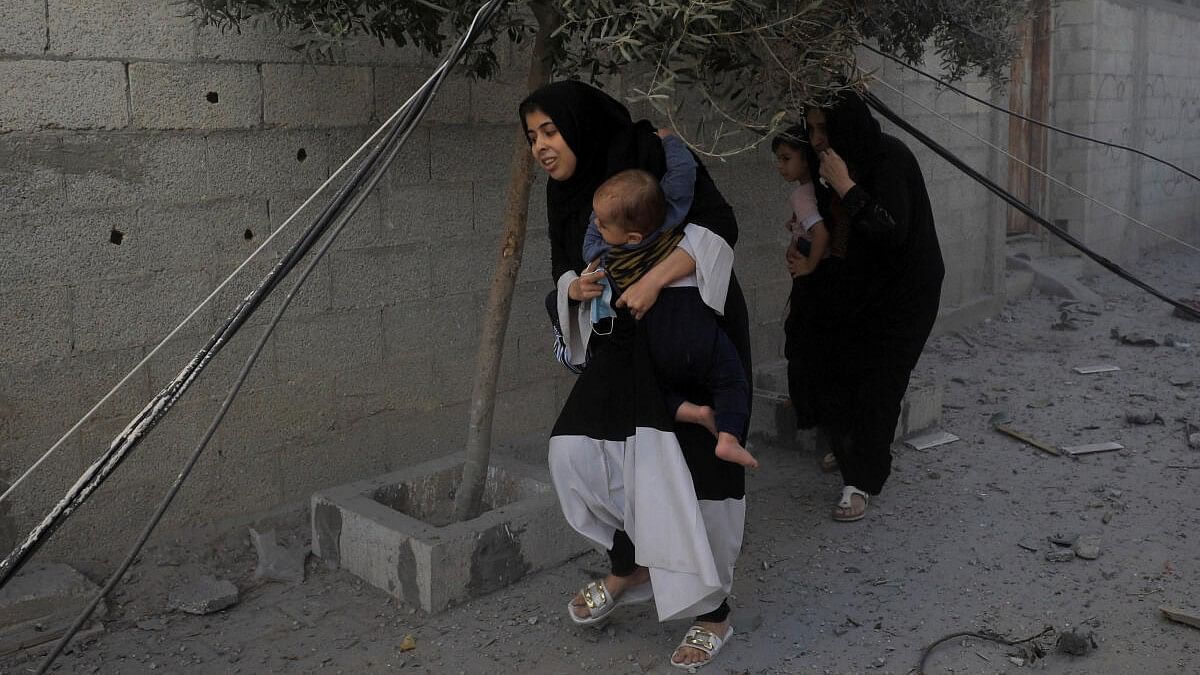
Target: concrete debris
1194, 440
1142, 416
1135, 339
1180, 380
1181, 616
1060, 555
1099, 368
204, 596
1090, 448
1076, 643
152, 624
275, 562
38, 605
1087, 547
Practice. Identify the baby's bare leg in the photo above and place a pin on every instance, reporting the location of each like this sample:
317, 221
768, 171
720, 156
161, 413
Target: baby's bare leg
703, 415
730, 450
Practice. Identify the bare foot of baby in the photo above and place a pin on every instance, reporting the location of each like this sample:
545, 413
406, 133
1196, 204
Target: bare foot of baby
703, 415
730, 450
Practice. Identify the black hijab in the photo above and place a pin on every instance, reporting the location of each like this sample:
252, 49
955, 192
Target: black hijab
605, 140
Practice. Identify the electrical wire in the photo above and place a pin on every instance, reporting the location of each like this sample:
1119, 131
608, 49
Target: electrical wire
395, 141
1033, 168
1021, 206
140, 426
1031, 120
146, 359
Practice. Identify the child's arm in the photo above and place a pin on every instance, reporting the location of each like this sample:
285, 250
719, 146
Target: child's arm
803, 265
679, 182
594, 245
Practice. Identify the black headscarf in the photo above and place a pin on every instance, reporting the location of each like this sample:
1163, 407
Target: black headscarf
853, 132
605, 140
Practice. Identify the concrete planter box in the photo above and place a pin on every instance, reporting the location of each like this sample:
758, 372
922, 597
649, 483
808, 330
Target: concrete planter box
774, 421
395, 531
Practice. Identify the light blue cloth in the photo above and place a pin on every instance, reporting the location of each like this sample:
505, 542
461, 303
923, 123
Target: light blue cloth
602, 305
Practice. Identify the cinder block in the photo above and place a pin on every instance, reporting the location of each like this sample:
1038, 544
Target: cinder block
379, 277
37, 323
269, 162
133, 311
394, 86
63, 95
25, 28
31, 173
450, 323
119, 169
463, 264
430, 212
316, 96
328, 343
194, 96
496, 101
394, 533
124, 29
455, 151
411, 166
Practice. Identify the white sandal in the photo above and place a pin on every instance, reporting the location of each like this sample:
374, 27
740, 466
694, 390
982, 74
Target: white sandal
600, 602
699, 637
842, 513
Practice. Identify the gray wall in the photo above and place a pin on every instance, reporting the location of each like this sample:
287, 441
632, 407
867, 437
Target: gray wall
1127, 72
106, 125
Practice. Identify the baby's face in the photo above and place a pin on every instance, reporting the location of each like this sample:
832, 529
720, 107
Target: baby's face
792, 166
606, 223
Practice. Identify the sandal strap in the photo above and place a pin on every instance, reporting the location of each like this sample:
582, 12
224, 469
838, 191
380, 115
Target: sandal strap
848, 492
701, 638
595, 595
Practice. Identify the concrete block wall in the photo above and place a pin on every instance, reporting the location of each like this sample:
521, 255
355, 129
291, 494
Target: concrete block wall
142, 159
1126, 72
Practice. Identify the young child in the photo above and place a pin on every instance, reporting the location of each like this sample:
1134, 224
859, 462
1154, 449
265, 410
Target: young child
810, 239
689, 349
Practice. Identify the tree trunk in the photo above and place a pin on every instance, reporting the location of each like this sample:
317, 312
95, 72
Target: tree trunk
469, 497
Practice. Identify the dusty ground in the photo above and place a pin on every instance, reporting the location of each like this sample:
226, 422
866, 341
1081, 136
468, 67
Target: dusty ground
957, 542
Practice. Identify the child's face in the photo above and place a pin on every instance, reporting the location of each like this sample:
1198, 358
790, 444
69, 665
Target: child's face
791, 164
612, 233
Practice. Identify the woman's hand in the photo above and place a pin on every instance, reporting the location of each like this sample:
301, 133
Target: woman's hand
835, 172
640, 297
665, 131
587, 286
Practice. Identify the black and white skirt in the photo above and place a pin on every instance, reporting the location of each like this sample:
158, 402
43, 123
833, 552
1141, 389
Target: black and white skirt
619, 462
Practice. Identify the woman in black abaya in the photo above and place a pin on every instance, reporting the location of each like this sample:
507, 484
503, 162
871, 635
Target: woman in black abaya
872, 321
647, 489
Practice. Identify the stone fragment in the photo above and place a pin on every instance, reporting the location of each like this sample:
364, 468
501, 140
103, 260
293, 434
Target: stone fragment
1087, 547
204, 596
1060, 555
275, 562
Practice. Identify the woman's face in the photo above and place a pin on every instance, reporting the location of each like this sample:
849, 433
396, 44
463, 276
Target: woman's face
818, 129
549, 148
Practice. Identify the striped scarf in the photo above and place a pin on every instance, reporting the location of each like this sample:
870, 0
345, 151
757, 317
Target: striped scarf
625, 266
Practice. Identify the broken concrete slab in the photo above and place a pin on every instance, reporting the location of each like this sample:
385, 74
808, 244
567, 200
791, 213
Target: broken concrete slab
1052, 281
931, 440
275, 562
204, 596
1060, 555
1142, 416
396, 531
45, 589
1099, 368
38, 605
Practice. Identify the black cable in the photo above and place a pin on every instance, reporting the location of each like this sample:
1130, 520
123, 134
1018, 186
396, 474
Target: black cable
393, 143
1021, 206
984, 636
1018, 115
